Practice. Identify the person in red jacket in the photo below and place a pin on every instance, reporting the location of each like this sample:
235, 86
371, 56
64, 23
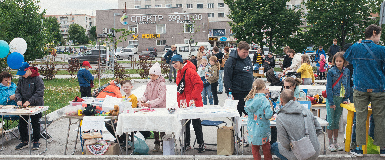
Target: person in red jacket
192, 91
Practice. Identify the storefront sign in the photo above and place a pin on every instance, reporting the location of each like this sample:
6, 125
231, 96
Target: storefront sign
213, 38
223, 39
152, 19
147, 36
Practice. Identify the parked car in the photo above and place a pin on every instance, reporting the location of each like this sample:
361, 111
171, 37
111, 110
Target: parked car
125, 53
145, 55
151, 50
134, 48
91, 56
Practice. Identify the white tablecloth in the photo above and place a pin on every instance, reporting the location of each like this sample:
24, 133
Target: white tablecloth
171, 95
308, 87
322, 122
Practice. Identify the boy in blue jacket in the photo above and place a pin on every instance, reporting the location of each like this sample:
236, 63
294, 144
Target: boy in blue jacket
85, 79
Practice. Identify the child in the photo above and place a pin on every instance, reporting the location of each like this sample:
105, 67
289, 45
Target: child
202, 69
29, 92
337, 90
155, 97
212, 76
85, 79
322, 69
306, 70
258, 124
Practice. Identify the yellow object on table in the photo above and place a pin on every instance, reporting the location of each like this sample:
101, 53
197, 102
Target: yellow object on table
351, 109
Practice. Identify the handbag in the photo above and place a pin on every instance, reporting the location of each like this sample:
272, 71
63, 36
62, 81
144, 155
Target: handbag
303, 148
335, 83
182, 84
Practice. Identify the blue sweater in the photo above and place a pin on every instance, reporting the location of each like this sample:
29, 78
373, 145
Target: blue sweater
5, 92
84, 77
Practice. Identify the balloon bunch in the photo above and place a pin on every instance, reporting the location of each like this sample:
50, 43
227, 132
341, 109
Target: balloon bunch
17, 47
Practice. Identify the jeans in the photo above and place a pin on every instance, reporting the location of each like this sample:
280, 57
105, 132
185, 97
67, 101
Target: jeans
214, 92
206, 93
354, 128
362, 100
23, 127
275, 151
198, 131
172, 71
85, 91
220, 81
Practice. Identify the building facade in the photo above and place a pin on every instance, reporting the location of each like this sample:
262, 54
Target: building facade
155, 27
86, 21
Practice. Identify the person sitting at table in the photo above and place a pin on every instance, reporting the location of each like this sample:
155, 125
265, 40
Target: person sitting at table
7, 89
155, 97
291, 127
296, 62
111, 89
193, 87
29, 92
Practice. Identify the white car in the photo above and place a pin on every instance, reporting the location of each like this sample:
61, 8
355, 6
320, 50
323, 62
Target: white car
133, 48
125, 53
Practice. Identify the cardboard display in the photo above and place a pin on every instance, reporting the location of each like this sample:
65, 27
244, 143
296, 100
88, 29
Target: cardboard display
112, 150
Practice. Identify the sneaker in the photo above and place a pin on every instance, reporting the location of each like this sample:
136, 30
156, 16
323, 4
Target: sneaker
36, 146
382, 153
353, 152
201, 148
332, 148
21, 145
359, 153
339, 147
156, 148
187, 147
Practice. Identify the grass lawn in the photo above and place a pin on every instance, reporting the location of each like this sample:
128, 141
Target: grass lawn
129, 62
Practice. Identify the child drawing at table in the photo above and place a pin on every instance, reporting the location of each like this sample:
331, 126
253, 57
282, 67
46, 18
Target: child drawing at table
338, 91
155, 97
258, 124
29, 92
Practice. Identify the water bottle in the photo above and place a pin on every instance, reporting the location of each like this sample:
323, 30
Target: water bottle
230, 96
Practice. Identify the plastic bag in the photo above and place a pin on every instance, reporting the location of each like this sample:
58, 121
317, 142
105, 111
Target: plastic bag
140, 146
372, 149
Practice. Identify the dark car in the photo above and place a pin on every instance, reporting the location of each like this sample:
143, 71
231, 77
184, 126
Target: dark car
145, 55
151, 50
91, 56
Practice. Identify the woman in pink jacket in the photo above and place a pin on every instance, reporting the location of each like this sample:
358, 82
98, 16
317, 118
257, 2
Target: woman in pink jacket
155, 96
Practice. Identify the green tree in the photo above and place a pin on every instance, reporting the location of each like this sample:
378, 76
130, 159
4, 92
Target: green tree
263, 21
92, 33
52, 31
77, 34
22, 18
344, 20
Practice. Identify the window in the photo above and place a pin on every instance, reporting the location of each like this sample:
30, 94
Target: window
210, 5
160, 28
188, 28
221, 5
133, 28
200, 6
158, 5
179, 5
210, 14
136, 6
147, 6
189, 5
221, 14
219, 32
168, 5
160, 42
133, 42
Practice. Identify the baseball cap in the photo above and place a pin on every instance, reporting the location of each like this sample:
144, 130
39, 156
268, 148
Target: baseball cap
21, 70
86, 63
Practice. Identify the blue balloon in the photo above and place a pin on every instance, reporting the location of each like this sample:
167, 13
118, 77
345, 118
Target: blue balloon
15, 60
4, 49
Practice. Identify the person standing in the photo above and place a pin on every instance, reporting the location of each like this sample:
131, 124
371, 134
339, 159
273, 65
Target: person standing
200, 55
287, 60
170, 53
219, 56
29, 92
85, 79
193, 87
212, 77
238, 77
257, 57
333, 49
269, 62
368, 78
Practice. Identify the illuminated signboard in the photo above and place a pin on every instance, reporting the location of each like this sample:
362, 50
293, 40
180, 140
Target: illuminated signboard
147, 36
213, 38
152, 19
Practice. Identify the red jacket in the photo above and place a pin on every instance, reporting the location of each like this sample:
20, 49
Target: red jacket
194, 84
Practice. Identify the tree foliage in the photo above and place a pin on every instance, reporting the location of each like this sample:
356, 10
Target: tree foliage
344, 20
22, 18
77, 34
52, 31
264, 22
92, 33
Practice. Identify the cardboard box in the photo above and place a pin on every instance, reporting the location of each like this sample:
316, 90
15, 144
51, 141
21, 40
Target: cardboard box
112, 150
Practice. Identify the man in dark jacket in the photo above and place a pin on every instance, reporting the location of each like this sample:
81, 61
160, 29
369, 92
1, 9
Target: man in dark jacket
29, 92
170, 53
333, 49
269, 62
85, 79
219, 56
238, 77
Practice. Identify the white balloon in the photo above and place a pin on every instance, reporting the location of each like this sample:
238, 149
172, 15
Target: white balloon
18, 45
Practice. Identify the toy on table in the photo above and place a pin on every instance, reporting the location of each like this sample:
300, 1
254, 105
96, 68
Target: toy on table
183, 103
171, 110
192, 104
115, 112
315, 99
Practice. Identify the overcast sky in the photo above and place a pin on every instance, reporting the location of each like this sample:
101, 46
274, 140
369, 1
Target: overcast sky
89, 7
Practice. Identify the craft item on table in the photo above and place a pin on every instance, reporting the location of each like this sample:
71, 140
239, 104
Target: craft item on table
147, 110
80, 112
89, 110
183, 103
90, 142
99, 148
92, 135
171, 110
312, 99
192, 104
115, 112
321, 99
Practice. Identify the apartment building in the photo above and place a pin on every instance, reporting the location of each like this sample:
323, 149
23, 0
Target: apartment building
86, 21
